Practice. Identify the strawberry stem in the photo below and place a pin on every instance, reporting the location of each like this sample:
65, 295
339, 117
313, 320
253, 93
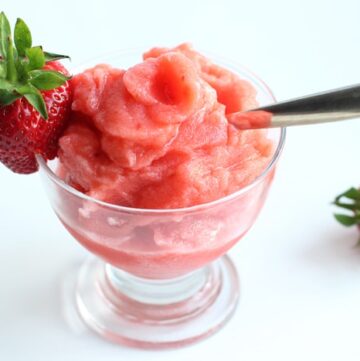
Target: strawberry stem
21, 67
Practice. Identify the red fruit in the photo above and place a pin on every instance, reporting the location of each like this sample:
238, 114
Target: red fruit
35, 98
24, 133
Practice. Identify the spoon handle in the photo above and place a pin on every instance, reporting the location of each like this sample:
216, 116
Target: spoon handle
329, 106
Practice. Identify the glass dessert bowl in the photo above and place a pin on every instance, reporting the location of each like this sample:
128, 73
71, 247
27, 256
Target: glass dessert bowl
160, 277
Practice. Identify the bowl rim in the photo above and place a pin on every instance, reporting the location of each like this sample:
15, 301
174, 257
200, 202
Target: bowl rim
44, 168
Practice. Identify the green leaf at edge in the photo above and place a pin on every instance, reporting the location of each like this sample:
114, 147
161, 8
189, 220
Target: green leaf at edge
53, 56
6, 47
47, 79
34, 97
351, 193
346, 221
349, 206
22, 37
5, 33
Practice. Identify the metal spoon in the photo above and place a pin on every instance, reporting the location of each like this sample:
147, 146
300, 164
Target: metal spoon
329, 106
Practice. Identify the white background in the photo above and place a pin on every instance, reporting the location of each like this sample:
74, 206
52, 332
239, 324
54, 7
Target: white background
299, 269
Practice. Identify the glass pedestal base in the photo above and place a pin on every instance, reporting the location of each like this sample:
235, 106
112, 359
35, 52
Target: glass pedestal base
156, 314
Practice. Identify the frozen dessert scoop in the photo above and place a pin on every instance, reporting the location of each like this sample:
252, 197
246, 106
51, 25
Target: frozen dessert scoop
156, 135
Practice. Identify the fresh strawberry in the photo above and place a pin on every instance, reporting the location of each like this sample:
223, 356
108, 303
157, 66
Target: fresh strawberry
35, 98
349, 200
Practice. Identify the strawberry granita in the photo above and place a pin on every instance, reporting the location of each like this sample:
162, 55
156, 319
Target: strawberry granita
155, 139
155, 180
157, 134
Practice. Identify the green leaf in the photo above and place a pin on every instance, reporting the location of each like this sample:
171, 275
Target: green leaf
5, 35
22, 69
11, 67
47, 79
350, 206
351, 193
37, 101
34, 97
22, 37
347, 221
16, 55
36, 57
5, 85
6, 46
53, 56
2, 69
7, 97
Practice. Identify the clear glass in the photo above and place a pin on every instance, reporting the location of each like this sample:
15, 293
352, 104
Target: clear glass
159, 278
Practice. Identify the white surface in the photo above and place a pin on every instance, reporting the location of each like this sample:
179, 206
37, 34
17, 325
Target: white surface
300, 271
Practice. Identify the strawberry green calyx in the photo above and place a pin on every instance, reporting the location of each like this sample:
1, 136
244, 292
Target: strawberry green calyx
350, 201
21, 67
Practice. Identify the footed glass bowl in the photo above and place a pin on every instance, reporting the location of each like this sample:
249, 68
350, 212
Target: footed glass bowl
159, 278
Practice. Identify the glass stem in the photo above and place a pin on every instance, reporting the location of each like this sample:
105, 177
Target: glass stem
157, 292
